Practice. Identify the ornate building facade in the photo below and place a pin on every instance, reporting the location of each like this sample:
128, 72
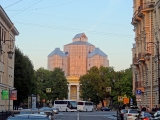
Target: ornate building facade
146, 20
77, 57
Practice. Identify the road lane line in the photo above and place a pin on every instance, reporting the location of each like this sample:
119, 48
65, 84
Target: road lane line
77, 116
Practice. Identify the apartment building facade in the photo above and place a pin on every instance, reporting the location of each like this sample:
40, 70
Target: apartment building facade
7, 42
146, 21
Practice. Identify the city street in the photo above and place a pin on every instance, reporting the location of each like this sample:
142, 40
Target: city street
96, 115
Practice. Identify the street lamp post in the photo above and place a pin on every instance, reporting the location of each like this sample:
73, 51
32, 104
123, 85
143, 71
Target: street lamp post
156, 45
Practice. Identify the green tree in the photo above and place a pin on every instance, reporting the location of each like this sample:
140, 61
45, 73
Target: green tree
94, 83
122, 84
58, 84
42, 78
24, 81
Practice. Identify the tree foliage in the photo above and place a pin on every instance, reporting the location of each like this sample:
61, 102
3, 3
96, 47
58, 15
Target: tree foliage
122, 84
55, 80
23, 76
94, 83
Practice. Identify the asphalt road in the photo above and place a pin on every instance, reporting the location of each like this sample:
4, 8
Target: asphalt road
96, 115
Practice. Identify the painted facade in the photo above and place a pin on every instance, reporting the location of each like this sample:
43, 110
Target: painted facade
146, 20
7, 32
77, 57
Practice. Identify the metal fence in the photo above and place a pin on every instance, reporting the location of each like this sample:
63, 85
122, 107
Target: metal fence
4, 115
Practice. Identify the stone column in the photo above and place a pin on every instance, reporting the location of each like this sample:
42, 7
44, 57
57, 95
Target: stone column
69, 87
77, 92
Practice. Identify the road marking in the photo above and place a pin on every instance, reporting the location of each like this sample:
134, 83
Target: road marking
77, 116
84, 115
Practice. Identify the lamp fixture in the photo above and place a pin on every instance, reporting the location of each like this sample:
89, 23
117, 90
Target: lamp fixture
10, 47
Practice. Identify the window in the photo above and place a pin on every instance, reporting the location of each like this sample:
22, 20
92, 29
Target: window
80, 103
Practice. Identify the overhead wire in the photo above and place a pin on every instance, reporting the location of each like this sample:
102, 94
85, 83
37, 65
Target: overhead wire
72, 29
81, 20
13, 4
51, 50
73, 1
26, 8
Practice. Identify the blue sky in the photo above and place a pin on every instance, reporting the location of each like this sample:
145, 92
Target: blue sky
47, 24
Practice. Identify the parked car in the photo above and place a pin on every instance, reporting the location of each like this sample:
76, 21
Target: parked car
156, 116
105, 109
31, 112
131, 114
55, 110
29, 117
45, 110
120, 114
144, 116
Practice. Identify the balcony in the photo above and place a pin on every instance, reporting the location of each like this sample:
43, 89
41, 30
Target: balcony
135, 61
148, 5
139, 85
141, 56
138, 14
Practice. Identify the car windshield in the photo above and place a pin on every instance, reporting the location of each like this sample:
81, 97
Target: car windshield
133, 111
45, 108
25, 111
146, 114
123, 111
54, 109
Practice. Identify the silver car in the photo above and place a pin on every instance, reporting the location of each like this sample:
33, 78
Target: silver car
55, 110
131, 114
29, 117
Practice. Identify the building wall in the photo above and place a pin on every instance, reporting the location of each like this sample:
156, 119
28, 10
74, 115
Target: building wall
98, 61
56, 61
7, 32
144, 67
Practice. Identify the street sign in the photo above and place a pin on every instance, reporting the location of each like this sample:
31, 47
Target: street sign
48, 90
125, 96
120, 98
138, 92
131, 101
108, 89
13, 94
5, 95
125, 100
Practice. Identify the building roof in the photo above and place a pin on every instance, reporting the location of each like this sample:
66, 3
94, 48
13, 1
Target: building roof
80, 43
97, 51
79, 35
7, 20
57, 51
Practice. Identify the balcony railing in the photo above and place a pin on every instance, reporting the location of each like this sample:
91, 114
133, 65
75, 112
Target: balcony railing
139, 84
141, 56
135, 61
146, 5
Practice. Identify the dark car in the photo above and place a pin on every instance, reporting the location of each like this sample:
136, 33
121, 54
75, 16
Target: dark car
120, 114
144, 116
29, 117
105, 109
